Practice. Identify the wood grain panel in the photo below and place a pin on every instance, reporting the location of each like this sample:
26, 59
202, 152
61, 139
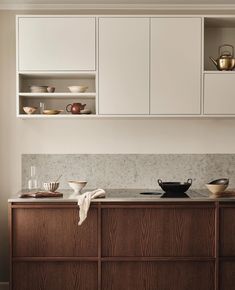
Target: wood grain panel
227, 231
158, 275
55, 276
158, 232
54, 232
227, 275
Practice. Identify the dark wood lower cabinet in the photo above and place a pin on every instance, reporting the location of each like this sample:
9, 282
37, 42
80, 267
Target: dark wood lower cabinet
122, 246
158, 275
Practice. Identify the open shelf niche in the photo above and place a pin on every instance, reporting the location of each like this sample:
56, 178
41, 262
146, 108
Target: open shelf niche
218, 31
61, 97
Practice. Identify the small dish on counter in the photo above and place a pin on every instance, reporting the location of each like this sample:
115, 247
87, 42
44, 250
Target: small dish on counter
77, 89
52, 112
29, 110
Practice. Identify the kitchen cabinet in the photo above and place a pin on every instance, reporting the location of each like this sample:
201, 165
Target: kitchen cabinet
175, 60
124, 66
56, 43
218, 93
119, 241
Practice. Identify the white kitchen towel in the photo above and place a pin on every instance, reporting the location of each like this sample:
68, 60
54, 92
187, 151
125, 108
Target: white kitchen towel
84, 201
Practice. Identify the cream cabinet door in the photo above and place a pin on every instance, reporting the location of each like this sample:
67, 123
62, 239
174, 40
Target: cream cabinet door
219, 94
56, 43
175, 66
123, 66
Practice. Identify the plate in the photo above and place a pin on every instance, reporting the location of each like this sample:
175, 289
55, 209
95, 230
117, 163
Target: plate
52, 112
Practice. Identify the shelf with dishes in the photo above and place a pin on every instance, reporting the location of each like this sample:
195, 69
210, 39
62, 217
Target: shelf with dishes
56, 93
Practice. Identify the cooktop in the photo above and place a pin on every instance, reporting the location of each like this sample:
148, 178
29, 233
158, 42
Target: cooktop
167, 194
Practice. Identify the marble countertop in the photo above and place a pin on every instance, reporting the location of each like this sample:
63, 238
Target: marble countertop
127, 195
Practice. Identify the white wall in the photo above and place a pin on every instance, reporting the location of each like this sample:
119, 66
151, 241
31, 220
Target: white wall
86, 136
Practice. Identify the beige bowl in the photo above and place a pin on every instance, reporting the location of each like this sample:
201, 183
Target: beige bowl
78, 89
51, 186
216, 188
29, 110
38, 89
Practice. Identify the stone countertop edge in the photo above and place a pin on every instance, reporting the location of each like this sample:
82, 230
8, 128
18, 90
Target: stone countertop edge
125, 195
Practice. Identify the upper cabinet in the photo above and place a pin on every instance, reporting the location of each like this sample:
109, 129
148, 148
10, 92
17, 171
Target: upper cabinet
175, 66
219, 43
56, 43
123, 66
127, 65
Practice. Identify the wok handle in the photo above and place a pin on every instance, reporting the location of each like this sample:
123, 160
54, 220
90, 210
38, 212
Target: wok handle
159, 181
190, 180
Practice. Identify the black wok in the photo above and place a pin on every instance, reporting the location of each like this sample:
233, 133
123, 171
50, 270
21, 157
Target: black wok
175, 187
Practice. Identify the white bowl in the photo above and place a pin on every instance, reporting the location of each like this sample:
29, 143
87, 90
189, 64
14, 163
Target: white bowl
77, 186
51, 186
78, 89
29, 110
38, 89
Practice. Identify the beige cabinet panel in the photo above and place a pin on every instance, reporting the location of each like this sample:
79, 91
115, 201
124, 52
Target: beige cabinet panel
175, 66
219, 95
123, 65
56, 43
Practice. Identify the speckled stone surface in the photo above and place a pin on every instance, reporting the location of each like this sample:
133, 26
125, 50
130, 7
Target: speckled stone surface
128, 195
129, 170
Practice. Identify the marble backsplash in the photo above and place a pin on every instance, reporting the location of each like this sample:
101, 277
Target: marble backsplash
129, 170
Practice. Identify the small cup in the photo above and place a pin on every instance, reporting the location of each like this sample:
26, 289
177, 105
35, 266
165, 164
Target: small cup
29, 110
50, 89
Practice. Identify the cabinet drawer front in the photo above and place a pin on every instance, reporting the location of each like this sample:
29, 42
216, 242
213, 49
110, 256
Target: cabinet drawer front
227, 275
165, 232
56, 43
55, 275
53, 232
219, 94
227, 231
158, 275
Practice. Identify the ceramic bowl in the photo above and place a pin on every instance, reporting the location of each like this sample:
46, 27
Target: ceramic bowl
38, 89
50, 89
51, 186
216, 188
77, 89
29, 110
77, 186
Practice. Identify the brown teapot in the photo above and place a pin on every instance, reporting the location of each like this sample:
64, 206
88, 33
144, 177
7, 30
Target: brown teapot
75, 108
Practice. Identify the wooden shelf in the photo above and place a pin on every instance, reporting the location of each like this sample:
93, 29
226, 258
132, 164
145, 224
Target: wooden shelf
59, 95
